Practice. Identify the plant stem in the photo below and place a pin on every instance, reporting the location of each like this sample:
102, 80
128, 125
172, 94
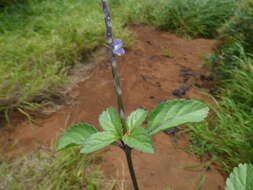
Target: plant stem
118, 91
128, 152
116, 79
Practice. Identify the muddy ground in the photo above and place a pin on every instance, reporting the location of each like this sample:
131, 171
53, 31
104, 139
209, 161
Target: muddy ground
159, 67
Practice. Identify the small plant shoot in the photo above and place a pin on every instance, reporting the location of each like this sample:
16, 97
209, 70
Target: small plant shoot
131, 132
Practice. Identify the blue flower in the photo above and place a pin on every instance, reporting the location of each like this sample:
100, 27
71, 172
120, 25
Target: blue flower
118, 47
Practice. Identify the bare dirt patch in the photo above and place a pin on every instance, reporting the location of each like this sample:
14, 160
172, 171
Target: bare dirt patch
160, 66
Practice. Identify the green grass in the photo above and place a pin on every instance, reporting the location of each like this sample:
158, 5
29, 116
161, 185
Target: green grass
41, 40
228, 136
4, 3
198, 18
240, 27
41, 170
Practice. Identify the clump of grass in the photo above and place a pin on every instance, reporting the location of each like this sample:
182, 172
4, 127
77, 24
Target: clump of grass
228, 136
41, 41
199, 18
45, 170
240, 27
235, 34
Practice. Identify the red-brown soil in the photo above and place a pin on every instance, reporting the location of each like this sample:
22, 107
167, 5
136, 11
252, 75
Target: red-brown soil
150, 71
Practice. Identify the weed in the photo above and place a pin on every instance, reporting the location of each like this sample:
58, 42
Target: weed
128, 133
40, 41
45, 170
199, 18
228, 136
240, 27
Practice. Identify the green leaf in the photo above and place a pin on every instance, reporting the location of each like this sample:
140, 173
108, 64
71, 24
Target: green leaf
176, 112
110, 121
140, 140
241, 178
136, 118
98, 141
75, 135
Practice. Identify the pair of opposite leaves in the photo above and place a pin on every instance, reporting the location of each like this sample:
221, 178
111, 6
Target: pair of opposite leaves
166, 115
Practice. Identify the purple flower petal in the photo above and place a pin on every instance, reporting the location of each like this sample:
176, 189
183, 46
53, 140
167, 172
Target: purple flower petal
119, 52
117, 43
117, 47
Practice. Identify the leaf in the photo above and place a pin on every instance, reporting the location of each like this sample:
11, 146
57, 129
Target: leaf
136, 118
110, 121
200, 182
241, 178
75, 135
98, 141
140, 140
176, 112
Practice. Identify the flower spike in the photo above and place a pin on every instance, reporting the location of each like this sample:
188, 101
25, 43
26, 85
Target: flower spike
118, 47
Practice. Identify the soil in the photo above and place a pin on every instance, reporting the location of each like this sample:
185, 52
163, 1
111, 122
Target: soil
159, 67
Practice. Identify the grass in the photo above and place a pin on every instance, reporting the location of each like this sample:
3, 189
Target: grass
228, 136
240, 27
45, 170
41, 40
198, 18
